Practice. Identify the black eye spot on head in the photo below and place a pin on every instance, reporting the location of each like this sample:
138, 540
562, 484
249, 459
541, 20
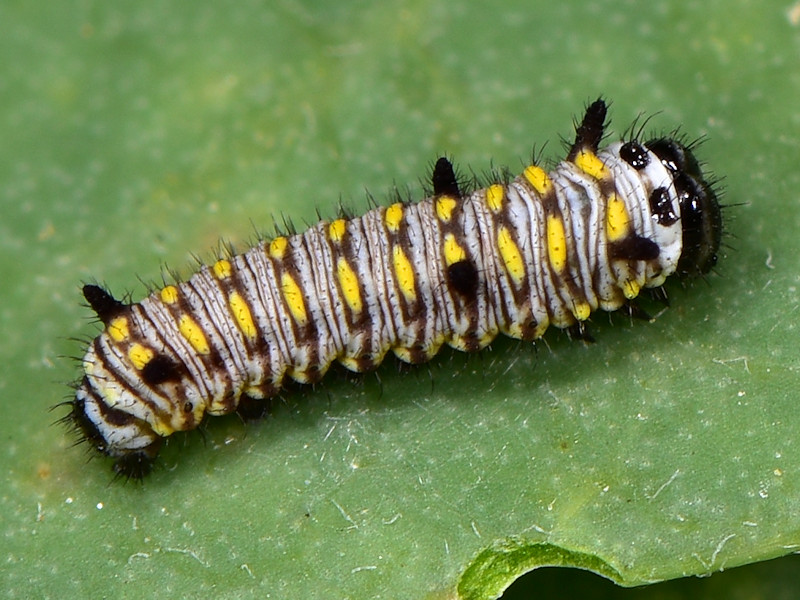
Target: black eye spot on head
463, 278
633, 154
160, 370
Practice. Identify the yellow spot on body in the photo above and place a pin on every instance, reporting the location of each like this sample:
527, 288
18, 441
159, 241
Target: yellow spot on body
348, 281
194, 334
362, 362
581, 310
453, 253
337, 229
434, 347
495, 194
540, 329
169, 295
617, 220
277, 247
254, 391
109, 393
556, 243
403, 354
485, 339
445, 205
514, 331
299, 375
294, 299
537, 177
241, 312
163, 428
394, 217
412, 355
511, 255
630, 289
139, 356
350, 363
222, 269
459, 342
589, 163
404, 273
118, 329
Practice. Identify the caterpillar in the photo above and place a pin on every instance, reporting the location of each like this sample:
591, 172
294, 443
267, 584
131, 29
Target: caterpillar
456, 268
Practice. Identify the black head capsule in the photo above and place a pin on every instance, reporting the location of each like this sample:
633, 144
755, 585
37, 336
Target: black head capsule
133, 465
701, 217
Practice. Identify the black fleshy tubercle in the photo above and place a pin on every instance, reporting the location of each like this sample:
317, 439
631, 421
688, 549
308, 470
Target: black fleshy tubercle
102, 303
590, 131
444, 179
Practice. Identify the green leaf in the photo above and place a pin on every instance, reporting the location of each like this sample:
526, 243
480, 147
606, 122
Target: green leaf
138, 135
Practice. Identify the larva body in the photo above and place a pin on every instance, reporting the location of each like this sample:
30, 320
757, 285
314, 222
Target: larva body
513, 258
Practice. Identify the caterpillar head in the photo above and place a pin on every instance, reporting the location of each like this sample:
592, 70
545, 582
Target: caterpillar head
115, 433
701, 218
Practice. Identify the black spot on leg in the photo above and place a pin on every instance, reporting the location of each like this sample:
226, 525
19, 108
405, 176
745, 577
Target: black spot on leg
444, 179
463, 278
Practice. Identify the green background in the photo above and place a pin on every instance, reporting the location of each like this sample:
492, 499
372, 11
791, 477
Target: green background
136, 136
